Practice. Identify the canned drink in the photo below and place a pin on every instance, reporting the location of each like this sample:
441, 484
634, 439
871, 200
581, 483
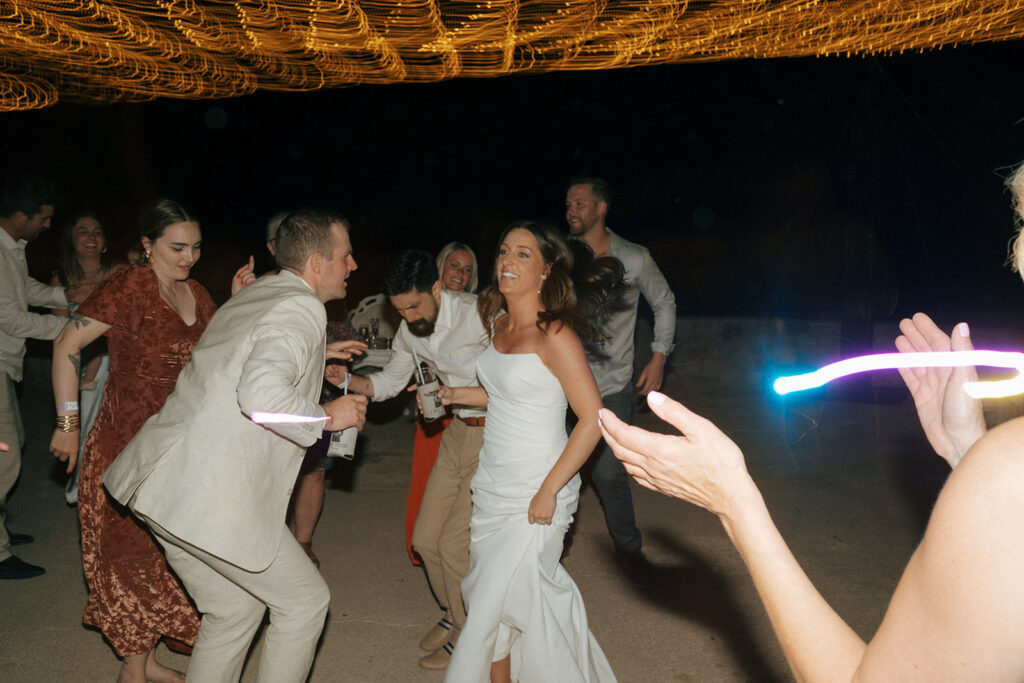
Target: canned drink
432, 407
343, 443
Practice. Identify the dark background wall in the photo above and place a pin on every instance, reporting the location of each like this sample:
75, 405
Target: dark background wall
844, 188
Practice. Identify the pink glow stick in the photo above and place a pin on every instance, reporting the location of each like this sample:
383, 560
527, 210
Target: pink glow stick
886, 361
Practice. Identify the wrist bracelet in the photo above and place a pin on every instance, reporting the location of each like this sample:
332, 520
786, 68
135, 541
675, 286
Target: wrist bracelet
68, 405
68, 423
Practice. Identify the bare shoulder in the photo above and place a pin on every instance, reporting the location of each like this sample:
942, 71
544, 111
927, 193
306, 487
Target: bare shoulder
562, 350
957, 606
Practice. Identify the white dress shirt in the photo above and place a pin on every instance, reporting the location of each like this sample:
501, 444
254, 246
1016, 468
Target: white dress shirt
17, 292
451, 350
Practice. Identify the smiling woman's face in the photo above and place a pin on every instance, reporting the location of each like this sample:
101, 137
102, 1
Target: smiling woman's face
173, 254
87, 237
457, 271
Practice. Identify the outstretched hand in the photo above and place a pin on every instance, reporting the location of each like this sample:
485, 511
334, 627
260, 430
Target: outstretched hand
245, 275
952, 420
344, 350
702, 465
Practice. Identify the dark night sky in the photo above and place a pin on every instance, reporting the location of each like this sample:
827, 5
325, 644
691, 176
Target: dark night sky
837, 188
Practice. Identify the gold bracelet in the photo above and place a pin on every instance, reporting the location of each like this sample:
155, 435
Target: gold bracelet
68, 423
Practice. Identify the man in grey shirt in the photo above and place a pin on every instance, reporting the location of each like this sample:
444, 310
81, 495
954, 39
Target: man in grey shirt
26, 209
586, 207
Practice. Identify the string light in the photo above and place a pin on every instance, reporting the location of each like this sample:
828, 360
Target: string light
886, 361
99, 52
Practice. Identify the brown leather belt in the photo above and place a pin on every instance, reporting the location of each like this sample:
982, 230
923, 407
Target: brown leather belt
473, 421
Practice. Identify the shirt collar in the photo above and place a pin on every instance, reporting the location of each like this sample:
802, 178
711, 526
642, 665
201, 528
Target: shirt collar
445, 308
9, 242
288, 273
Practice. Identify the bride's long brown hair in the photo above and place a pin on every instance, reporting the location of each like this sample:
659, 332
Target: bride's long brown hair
579, 290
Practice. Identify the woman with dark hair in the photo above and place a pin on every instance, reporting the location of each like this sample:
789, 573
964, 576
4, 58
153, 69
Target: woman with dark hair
526, 619
83, 264
152, 315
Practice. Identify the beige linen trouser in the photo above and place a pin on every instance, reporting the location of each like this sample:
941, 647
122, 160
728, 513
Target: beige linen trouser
441, 534
232, 602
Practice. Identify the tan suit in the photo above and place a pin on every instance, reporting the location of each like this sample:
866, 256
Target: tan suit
214, 486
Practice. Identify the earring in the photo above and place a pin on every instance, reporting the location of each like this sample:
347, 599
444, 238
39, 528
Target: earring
103, 250
148, 256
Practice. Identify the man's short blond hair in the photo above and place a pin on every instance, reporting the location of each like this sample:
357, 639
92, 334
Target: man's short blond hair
306, 232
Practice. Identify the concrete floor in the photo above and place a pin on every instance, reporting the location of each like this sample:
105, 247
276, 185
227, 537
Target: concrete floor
848, 478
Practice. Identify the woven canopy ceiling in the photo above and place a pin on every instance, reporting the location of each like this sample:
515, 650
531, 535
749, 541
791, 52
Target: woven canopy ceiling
100, 52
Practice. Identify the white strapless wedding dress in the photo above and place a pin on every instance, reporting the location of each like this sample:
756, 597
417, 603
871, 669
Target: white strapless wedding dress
520, 600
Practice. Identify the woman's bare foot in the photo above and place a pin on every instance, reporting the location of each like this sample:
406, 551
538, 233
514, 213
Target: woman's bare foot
158, 673
145, 669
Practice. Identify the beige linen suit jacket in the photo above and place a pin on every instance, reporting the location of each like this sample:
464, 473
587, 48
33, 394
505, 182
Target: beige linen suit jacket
201, 468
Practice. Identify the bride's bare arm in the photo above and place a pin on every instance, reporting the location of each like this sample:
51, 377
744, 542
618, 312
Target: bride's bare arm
563, 355
475, 397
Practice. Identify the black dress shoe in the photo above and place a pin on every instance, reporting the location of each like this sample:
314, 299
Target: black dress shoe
16, 568
637, 569
20, 539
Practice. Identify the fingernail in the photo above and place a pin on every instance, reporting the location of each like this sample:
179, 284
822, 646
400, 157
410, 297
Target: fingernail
600, 422
964, 330
655, 398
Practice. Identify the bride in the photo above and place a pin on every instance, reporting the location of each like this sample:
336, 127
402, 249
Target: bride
526, 619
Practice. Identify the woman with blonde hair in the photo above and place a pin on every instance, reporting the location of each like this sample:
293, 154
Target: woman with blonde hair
457, 267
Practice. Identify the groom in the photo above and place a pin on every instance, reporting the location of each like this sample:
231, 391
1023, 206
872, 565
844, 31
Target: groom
213, 485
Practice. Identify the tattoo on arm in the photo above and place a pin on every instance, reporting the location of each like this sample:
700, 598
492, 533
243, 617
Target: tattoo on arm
79, 319
76, 362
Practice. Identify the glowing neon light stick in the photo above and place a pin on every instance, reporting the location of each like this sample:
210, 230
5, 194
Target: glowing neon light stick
284, 418
886, 361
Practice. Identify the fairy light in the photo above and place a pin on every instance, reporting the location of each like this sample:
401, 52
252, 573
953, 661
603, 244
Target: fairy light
97, 52
888, 361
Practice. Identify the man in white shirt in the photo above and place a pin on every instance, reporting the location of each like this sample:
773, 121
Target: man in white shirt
26, 209
586, 208
444, 330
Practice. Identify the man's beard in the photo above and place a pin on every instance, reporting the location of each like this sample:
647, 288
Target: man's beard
421, 327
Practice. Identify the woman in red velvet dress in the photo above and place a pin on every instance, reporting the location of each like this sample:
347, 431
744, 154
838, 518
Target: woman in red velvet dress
457, 270
152, 316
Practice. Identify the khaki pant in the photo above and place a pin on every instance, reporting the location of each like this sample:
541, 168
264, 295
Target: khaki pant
13, 433
441, 535
233, 602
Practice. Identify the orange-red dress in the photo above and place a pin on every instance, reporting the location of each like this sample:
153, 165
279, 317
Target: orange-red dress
424, 455
134, 599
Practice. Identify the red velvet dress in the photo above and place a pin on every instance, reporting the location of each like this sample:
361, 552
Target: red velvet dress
134, 599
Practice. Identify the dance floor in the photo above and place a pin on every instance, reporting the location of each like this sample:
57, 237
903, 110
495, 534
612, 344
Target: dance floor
848, 478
